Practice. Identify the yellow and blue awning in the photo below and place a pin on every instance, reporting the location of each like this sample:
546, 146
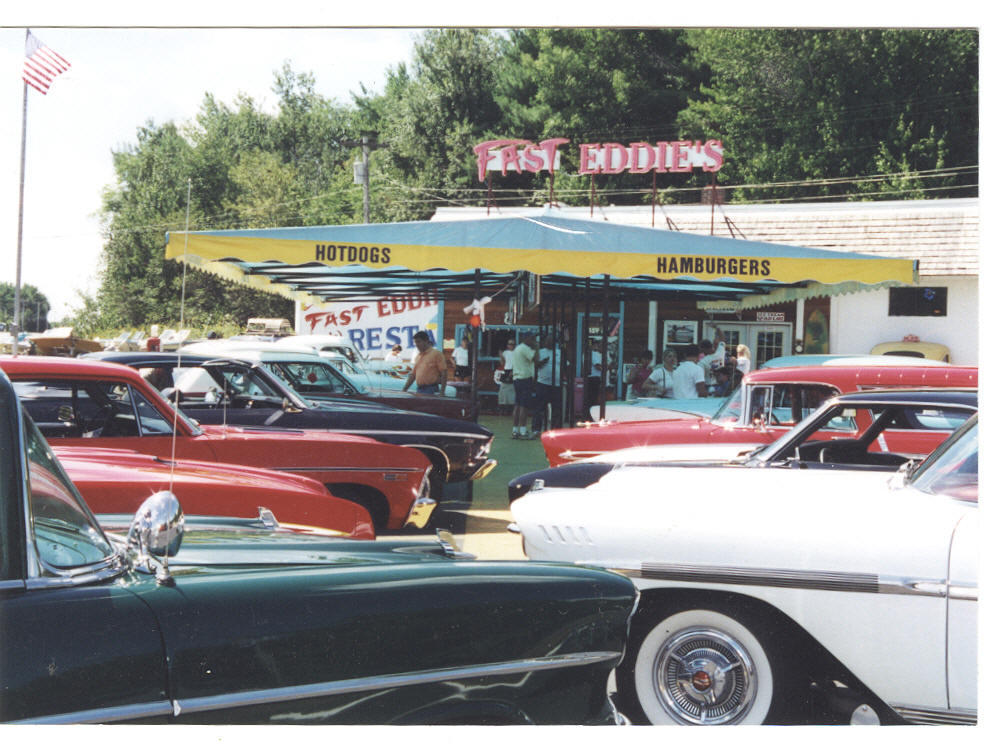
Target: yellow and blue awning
315, 263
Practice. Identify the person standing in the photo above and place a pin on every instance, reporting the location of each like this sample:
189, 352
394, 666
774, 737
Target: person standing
430, 369
548, 392
660, 382
593, 378
743, 359
638, 376
711, 359
689, 379
524, 385
505, 395
461, 358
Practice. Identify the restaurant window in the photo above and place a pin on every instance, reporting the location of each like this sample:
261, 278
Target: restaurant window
917, 301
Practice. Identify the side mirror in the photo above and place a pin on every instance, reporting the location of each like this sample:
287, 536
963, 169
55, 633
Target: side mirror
157, 531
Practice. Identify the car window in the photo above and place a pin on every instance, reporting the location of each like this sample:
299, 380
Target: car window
65, 532
150, 420
242, 381
928, 419
730, 410
308, 377
953, 469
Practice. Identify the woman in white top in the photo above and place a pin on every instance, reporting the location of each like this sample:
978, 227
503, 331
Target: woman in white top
659, 384
743, 359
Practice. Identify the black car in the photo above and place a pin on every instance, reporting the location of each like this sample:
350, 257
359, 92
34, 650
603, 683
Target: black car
248, 394
878, 429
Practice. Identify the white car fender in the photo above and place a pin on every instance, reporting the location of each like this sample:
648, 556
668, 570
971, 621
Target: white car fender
861, 567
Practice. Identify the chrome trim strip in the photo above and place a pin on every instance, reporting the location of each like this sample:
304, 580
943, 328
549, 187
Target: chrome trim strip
314, 690
12, 585
405, 432
921, 715
856, 582
788, 578
379, 469
382, 682
106, 715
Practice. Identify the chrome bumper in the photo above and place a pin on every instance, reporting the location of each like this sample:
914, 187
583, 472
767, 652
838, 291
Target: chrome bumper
421, 511
484, 470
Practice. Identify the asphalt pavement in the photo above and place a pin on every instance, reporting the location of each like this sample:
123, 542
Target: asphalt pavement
478, 514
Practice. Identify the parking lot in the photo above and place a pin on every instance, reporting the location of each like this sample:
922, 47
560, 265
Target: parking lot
479, 519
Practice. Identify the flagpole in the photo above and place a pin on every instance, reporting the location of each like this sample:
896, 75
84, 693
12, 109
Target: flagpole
20, 221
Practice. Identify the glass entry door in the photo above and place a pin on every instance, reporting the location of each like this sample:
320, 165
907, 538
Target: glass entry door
765, 340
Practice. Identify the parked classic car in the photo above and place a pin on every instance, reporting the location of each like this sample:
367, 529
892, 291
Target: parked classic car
659, 408
83, 403
185, 619
114, 481
766, 406
879, 429
351, 380
282, 389
362, 372
762, 592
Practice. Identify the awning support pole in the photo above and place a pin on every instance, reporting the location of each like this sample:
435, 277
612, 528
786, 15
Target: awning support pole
605, 345
474, 351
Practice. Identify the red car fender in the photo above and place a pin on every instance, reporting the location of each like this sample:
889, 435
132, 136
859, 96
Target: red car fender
118, 481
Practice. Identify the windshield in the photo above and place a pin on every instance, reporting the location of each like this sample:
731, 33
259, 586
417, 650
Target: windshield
729, 411
311, 377
65, 532
953, 468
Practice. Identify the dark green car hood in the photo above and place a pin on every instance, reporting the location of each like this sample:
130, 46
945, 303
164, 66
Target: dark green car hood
218, 542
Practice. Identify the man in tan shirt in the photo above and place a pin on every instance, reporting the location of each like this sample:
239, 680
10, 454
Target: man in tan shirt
429, 373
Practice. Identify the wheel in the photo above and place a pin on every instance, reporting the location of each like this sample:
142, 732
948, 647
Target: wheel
700, 667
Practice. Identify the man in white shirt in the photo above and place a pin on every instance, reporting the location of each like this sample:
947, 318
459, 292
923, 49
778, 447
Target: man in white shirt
712, 359
524, 385
548, 392
689, 379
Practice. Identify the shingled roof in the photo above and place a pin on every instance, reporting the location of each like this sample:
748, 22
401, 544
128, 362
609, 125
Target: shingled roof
942, 234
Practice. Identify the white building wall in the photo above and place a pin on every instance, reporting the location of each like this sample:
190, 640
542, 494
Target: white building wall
860, 321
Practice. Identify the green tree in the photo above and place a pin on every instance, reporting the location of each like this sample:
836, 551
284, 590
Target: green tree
835, 105
34, 307
247, 168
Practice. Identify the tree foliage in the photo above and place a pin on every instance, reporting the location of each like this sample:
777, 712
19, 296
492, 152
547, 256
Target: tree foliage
34, 307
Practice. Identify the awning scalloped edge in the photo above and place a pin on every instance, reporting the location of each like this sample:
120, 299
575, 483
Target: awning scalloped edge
793, 293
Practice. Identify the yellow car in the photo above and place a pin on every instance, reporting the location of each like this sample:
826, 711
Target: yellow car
913, 349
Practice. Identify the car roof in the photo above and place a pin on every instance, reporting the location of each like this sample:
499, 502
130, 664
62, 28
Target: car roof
924, 395
848, 359
907, 374
61, 366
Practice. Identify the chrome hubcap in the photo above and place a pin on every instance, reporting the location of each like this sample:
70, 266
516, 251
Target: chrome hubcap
703, 676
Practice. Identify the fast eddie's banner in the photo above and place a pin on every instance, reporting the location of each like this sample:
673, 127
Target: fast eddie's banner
610, 158
374, 326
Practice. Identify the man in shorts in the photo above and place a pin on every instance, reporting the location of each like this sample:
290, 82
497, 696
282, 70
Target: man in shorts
524, 385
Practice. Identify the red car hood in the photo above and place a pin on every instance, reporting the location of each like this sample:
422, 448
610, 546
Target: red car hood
595, 439
114, 481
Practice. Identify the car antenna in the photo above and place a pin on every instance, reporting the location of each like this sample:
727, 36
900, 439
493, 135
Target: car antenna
181, 327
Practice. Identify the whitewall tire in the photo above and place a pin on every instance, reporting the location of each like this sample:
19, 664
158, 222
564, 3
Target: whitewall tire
702, 667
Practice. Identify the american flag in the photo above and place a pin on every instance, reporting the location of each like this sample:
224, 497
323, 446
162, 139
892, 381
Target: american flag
41, 64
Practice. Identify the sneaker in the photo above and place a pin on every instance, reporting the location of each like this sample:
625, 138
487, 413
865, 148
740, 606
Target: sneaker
515, 435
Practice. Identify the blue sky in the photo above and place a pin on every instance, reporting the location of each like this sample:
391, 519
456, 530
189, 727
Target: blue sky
120, 79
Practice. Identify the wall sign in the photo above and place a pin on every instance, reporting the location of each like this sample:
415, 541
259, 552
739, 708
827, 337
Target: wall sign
611, 158
373, 326
770, 316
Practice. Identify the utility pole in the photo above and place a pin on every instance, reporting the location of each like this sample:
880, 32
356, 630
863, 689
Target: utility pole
361, 176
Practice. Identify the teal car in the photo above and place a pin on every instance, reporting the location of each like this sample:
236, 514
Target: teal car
164, 618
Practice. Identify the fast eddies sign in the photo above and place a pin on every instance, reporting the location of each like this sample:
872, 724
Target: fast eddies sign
610, 158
